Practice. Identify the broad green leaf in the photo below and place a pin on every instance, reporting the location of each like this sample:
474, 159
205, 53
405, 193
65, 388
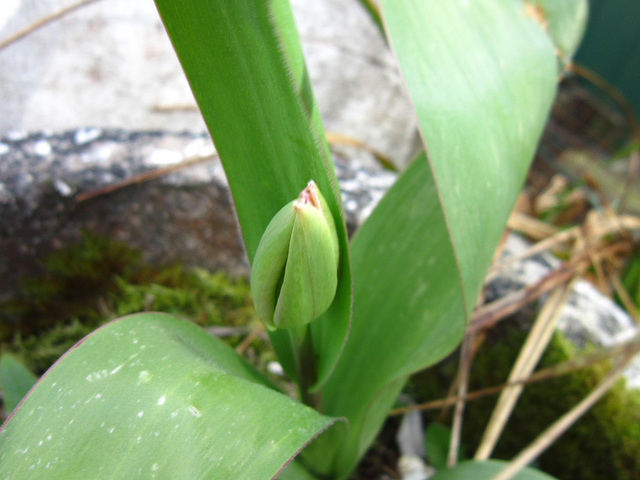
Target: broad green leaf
15, 380
153, 396
244, 63
481, 76
486, 471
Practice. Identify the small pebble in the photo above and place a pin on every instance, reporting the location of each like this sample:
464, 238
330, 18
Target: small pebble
86, 135
275, 368
164, 156
62, 187
42, 148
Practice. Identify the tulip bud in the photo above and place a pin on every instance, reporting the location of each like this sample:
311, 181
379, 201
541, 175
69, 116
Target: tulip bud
295, 270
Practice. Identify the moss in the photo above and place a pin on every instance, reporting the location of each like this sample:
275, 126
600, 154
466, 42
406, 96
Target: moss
603, 444
98, 280
73, 279
40, 351
206, 298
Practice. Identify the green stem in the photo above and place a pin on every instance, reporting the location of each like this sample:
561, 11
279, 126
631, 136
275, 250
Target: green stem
305, 360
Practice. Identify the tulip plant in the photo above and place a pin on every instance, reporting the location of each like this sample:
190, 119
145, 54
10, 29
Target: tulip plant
153, 396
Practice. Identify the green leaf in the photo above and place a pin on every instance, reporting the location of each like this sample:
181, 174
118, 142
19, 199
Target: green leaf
152, 396
394, 330
486, 471
244, 63
295, 471
482, 79
481, 76
15, 380
436, 443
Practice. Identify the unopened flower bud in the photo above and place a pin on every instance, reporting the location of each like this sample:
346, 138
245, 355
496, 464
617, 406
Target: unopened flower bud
295, 269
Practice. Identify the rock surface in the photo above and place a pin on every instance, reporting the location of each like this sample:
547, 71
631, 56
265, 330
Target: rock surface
111, 64
53, 186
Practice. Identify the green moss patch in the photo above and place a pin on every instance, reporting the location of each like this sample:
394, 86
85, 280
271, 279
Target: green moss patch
603, 444
98, 280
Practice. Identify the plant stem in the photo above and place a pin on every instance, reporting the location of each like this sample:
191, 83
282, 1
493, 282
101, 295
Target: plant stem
305, 360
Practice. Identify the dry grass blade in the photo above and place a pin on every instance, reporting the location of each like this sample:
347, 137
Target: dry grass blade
478, 340
335, 138
563, 423
548, 243
463, 385
625, 299
536, 229
528, 358
593, 250
615, 352
489, 314
601, 225
42, 22
532, 350
632, 178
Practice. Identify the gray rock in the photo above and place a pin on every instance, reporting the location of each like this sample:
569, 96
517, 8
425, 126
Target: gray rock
180, 217
54, 185
588, 317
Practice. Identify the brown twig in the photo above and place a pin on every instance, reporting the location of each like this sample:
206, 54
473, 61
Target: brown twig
610, 90
533, 227
539, 247
530, 353
249, 338
143, 177
491, 313
632, 119
42, 22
